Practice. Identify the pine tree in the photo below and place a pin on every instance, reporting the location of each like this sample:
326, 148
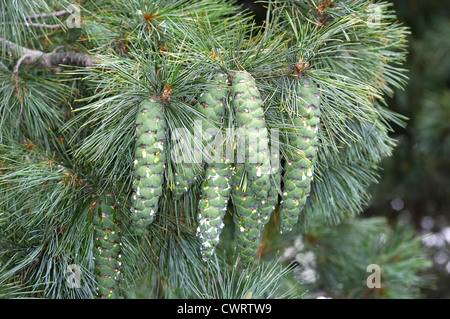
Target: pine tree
91, 140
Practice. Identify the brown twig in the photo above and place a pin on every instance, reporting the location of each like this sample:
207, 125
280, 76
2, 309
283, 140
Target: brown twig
40, 25
39, 59
43, 16
20, 61
36, 25
48, 15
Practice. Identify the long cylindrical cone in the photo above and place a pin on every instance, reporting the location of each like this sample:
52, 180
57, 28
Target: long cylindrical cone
299, 170
216, 187
107, 245
252, 204
149, 163
246, 218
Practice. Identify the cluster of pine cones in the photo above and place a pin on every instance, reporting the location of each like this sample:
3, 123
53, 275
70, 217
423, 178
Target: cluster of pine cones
253, 185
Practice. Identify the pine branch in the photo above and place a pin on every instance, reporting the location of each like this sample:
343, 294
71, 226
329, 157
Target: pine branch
49, 15
39, 59
36, 25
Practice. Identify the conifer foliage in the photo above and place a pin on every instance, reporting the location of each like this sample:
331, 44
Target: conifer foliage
275, 124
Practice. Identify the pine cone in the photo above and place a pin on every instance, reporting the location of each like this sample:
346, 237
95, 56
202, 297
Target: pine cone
107, 248
299, 170
149, 163
216, 187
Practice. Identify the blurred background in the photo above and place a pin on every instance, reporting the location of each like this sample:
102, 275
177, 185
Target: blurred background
414, 186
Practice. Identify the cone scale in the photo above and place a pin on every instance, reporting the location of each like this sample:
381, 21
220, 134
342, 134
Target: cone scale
183, 179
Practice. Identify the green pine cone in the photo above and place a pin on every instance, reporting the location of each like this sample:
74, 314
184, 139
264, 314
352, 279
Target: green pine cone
299, 170
249, 111
149, 163
107, 248
272, 194
248, 108
183, 163
213, 204
183, 179
216, 187
254, 206
246, 218
211, 102
211, 105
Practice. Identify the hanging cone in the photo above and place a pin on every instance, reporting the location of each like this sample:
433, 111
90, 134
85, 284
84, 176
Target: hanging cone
149, 163
299, 170
107, 247
216, 187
